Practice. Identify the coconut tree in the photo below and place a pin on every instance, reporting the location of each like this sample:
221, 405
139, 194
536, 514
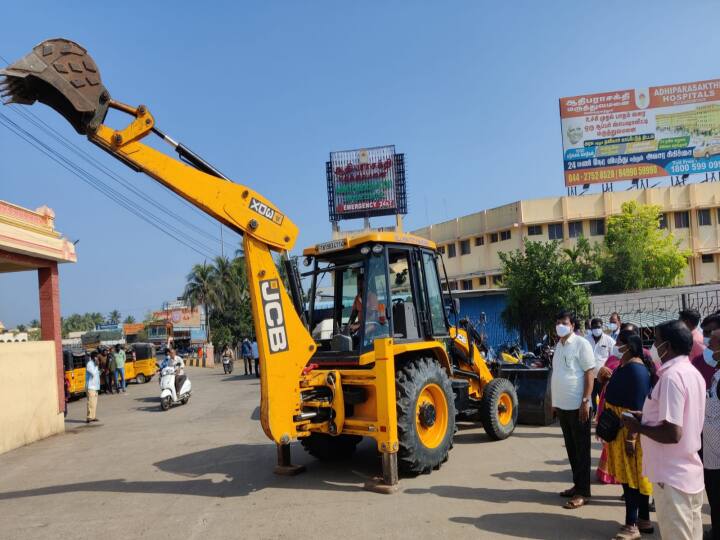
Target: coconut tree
200, 290
114, 316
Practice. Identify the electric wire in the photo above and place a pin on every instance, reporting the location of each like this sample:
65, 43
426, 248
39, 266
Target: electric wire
99, 185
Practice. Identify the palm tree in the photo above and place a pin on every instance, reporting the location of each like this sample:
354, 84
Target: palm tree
129, 320
114, 316
34, 323
200, 290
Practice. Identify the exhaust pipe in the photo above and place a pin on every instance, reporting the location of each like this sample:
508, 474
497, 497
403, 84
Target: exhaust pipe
63, 76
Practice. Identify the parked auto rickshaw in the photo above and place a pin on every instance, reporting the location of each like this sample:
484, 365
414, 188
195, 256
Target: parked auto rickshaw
74, 366
140, 362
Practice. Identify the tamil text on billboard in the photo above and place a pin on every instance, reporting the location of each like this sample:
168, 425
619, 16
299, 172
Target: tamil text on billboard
641, 133
366, 182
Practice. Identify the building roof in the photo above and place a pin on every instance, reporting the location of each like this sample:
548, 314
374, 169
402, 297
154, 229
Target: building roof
31, 233
355, 240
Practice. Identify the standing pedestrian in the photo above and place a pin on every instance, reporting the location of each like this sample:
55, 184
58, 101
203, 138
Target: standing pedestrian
626, 390
709, 325
670, 426
614, 323
602, 346
120, 359
572, 380
246, 352
112, 372
256, 357
104, 365
92, 387
711, 436
67, 394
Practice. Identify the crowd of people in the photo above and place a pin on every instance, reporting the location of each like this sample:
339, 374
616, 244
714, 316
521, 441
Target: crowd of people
656, 411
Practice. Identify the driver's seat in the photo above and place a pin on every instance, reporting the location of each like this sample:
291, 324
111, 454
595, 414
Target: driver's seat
404, 320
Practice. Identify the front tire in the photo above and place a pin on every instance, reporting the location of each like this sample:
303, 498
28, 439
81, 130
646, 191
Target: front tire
330, 448
140, 378
425, 415
499, 409
165, 403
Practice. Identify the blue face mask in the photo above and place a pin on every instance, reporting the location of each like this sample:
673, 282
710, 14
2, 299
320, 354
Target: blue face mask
708, 357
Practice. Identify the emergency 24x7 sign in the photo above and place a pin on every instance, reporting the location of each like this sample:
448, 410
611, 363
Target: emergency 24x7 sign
366, 182
641, 133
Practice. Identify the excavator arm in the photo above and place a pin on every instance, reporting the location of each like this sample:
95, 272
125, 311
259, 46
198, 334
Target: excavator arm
60, 74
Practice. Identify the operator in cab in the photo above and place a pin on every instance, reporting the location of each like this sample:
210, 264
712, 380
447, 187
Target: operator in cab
357, 315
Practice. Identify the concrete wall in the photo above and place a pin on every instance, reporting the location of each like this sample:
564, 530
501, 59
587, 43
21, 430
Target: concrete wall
28, 394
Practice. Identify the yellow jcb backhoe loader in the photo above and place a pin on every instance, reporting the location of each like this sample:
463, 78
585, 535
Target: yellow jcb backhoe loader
388, 364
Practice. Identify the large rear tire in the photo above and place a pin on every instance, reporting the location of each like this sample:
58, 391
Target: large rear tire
425, 415
499, 409
330, 448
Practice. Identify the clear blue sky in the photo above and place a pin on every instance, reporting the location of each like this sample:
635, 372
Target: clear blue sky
264, 90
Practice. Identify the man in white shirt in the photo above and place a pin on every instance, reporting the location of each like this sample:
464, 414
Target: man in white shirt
602, 346
92, 387
571, 385
614, 323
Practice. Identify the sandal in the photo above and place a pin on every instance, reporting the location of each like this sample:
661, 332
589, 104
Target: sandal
628, 532
576, 502
568, 492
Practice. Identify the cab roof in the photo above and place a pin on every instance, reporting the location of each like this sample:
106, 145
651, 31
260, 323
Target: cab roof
377, 237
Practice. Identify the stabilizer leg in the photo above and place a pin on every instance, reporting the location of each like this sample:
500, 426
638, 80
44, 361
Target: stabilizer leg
388, 484
285, 466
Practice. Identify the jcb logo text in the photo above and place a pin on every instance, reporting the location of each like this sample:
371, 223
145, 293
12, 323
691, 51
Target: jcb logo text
265, 211
274, 316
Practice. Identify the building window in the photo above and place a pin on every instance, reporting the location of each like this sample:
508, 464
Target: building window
479, 240
682, 220
662, 224
441, 249
497, 280
453, 285
493, 238
534, 230
704, 217
464, 247
555, 231
467, 284
451, 250
575, 229
597, 227
483, 280
505, 235
708, 258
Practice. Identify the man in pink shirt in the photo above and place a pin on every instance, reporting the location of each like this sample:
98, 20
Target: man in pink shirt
672, 422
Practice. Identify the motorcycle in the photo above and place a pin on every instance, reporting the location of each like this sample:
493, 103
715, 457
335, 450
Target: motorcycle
227, 363
175, 387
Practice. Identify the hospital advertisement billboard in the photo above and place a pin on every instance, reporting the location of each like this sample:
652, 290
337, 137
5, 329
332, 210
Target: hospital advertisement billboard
641, 133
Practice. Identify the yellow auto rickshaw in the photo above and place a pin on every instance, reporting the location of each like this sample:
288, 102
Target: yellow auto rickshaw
74, 366
140, 362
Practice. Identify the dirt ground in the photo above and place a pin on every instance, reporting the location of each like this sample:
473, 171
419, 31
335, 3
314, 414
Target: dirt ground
204, 470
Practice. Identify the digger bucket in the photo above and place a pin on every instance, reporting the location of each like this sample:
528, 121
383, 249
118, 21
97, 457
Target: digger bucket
60, 74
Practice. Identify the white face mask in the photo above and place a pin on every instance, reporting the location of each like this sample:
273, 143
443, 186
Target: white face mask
706, 341
655, 354
561, 330
708, 356
612, 326
597, 332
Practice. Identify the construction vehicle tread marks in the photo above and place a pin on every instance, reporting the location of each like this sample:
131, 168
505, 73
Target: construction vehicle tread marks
425, 415
330, 448
499, 409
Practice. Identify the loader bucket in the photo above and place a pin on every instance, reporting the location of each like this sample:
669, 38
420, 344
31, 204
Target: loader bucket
60, 74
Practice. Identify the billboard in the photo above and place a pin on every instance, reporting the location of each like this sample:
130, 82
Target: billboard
641, 133
181, 317
366, 182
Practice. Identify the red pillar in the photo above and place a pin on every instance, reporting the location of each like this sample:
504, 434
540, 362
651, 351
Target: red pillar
49, 285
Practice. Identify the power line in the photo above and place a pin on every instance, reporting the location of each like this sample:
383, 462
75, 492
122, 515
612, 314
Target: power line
99, 185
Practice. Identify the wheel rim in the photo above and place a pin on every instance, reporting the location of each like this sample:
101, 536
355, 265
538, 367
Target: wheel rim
505, 409
431, 415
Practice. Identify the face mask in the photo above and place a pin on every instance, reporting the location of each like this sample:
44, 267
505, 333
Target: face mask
708, 357
612, 326
617, 352
706, 341
597, 332
561, 330
655, 354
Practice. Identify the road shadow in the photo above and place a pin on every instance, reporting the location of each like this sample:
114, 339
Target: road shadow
234, 377
541, 526
244, 468
255, 415
150, 408
471, 438
535, 476
148, 399
536, 435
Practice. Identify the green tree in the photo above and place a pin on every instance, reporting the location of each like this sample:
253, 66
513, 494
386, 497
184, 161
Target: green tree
637, 253
200, 290
114, 317
129, 320
541, 280
21, 328
586, 258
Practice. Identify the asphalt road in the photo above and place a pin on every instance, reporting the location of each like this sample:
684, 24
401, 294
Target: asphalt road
204, 470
